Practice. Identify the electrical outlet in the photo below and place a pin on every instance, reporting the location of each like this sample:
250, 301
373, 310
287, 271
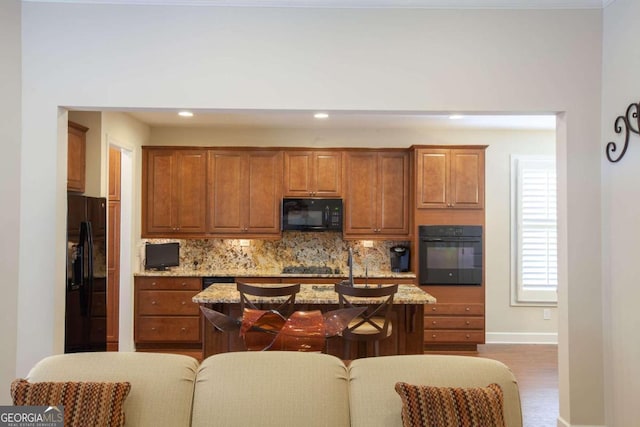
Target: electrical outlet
367, 243
245, 242
546, 314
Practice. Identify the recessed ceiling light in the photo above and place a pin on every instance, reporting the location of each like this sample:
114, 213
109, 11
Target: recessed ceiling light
455, 116
185, 114
321, 115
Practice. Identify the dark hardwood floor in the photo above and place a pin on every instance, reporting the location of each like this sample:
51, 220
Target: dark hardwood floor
536, 369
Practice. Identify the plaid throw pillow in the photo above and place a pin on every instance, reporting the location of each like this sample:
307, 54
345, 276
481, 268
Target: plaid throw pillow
85, 403
451, 406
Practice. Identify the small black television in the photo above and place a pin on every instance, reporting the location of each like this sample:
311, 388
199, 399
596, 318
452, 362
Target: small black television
159, 256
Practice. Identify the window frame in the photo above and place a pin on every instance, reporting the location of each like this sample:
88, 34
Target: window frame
519, 295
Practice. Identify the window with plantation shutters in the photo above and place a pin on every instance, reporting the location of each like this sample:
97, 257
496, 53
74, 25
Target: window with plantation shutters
535, 229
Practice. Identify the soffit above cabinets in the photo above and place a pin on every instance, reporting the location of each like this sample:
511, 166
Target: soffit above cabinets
279, 119
364, 4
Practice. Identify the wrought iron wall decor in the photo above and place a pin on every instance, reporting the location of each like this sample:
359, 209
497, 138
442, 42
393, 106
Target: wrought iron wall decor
628, 123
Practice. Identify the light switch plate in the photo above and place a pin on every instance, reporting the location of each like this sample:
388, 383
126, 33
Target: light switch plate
367, 243
245, 242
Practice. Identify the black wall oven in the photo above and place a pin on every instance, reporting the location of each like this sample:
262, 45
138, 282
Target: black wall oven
450, 254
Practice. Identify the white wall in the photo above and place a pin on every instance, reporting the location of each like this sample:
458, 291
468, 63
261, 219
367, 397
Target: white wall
504, 322
621, 210
10, 135
385, 60
130, 135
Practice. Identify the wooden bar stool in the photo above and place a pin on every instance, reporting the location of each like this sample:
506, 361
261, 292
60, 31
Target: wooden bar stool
285, 308
374, 324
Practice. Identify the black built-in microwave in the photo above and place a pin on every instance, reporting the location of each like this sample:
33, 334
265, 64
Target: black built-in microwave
450, 254
311, 214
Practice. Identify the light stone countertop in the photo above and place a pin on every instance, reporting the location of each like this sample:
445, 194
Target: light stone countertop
267, 273
321, 293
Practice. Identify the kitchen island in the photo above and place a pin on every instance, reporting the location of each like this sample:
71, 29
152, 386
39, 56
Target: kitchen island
407, 317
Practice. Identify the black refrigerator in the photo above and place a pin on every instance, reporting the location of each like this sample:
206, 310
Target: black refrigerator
86, 281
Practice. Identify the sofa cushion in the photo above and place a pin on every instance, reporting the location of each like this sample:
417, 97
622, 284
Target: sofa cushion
161, 384
85, 403
271, 388
451, 406
374, 401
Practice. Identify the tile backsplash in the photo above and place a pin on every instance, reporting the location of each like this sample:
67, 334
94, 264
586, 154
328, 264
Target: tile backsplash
215, 256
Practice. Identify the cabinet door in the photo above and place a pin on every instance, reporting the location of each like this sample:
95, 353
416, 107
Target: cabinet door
312, 174
245, 188
76, 149
190, 191
327, 168
450, 178
361, 199
114, 174
113, 274
467, 179
263, 192
159, 172
393, 193
433, 174
297, 178
226, 188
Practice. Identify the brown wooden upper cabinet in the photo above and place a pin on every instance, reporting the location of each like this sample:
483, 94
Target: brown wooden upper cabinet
450, 178
76, 160
245, 189
376, 194
312, 174
115, 157
174, 191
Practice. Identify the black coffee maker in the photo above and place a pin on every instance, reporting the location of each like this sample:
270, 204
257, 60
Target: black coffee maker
399, 259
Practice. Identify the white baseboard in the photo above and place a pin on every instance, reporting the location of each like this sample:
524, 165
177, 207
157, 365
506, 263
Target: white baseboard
521, 338
563, 423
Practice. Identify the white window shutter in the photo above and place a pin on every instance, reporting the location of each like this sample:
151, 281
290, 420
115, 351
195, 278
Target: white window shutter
536, 240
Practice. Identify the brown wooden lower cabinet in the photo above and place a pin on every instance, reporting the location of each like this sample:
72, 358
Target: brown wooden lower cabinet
168, 329
457, 321
166, 319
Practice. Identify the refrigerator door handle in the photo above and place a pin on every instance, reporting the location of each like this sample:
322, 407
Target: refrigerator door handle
85, 253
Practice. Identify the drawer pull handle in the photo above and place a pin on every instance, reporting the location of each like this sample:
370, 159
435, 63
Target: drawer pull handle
434, 322
153, 283
468, 336
433, 309
467, 322
184, 284
433, 336
153, 329
153, 303
184, 302
183, 329
467, 309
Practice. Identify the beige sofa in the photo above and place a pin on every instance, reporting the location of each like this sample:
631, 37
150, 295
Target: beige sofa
274, 388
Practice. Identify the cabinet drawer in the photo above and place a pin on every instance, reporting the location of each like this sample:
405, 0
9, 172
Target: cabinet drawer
169, 283
456, 309
443, 322
167, 303
168, 329
472, 337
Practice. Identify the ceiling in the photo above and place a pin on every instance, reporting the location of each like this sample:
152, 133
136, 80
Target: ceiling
423, 4
343, 120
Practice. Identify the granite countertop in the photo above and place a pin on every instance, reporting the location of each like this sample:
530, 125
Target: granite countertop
269, 273
321, 293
